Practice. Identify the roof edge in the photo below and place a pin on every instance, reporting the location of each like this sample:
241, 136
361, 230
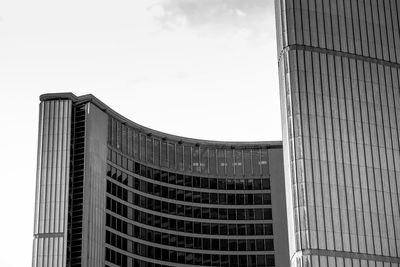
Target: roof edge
102, 106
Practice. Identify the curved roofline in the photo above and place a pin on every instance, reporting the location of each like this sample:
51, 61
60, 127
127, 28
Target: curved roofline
102, 106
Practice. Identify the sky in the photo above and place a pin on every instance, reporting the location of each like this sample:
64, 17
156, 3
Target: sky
204, 69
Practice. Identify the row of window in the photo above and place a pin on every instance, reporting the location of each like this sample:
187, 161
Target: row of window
185, 226
237, 198
185, 257
186, 210
196, 159
187, 180
197, 242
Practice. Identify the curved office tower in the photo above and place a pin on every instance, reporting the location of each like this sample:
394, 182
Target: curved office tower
113, 193
339, 79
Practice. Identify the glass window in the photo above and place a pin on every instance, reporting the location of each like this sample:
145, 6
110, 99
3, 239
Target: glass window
188, 158
179, 156
213, 183
224, 244
171, 158
229, 161
222, 184
221, 161
188, 180
149, 149
164, 154
232, 245
204, 183
256, 162
212, 161
223, 229
204, 160
230, 184
242, 247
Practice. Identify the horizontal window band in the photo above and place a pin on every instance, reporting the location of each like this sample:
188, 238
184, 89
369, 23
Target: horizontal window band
178, 249
191, 204
191, 219
198, 189
188, 234
193, 173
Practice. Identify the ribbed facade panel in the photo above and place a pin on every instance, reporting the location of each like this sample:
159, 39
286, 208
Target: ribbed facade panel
51, 204
339, 78
367, 28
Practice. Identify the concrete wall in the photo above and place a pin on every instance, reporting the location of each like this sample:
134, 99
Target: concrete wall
94, 194
278, 207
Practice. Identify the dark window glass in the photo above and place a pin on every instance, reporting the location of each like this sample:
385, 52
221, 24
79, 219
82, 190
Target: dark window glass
269, 244
214, 198
231, 199
224, 244
180, 180
258, 199
164, 176
230, 184
232, 244
270, 260
266, 184
258, 214
222, 199
204, 183
205, 198
188, 180
242, 245
222, 184
172, 178
196, 197
196, 181
232, 229
214, 214
267, 214
267, 198
205, 228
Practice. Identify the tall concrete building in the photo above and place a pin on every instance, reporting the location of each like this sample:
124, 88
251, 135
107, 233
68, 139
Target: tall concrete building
339, 81
112, 193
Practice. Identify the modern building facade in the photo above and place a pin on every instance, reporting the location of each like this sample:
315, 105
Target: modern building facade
113, 193
339, 64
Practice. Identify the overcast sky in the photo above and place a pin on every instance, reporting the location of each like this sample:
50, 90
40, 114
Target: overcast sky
197, 68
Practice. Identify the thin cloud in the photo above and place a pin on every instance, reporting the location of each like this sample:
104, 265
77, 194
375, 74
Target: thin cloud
214, 15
